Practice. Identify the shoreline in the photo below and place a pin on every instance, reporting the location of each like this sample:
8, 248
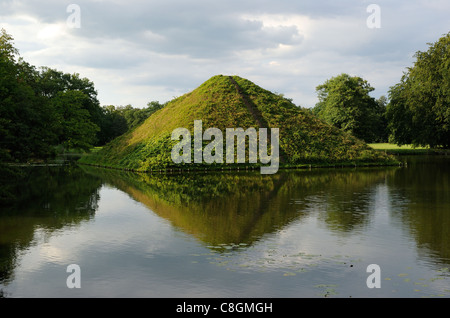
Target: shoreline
234, 168
393, 150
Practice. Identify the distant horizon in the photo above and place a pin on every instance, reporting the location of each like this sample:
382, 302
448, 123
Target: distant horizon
136, 52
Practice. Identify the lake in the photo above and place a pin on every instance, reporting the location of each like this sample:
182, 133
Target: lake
298, 233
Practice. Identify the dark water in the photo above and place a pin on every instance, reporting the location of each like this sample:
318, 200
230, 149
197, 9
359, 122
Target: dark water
302, 233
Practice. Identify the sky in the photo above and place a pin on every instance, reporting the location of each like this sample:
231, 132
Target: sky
137, 51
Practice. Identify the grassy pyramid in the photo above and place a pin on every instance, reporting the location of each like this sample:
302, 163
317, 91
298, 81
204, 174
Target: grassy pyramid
231, 102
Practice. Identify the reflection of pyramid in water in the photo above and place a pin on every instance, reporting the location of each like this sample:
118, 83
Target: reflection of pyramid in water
238, 208
229, 208
232, 102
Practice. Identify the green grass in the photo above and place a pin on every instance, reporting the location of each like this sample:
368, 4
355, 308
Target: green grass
404, 149
96, 149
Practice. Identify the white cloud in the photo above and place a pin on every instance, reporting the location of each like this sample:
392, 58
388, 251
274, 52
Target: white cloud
137, 51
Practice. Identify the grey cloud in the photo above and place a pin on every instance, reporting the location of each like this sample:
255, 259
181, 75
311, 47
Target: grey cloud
177, 44
200, 28
185, 31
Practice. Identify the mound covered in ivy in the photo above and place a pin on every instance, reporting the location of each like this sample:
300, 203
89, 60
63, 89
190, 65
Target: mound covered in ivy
234, 102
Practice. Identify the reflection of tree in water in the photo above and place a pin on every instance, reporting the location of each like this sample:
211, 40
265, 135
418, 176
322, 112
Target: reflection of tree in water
424, 189
47, 198
345, 201
226, 208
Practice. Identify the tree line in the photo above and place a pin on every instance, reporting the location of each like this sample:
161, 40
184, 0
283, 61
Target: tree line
44, 111
416, 111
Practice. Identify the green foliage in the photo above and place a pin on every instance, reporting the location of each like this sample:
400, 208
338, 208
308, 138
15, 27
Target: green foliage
25, 115
419, 108
7, 49
112, 125
219, 103
73, 125
345, 103
305, 138
118, 120
381, 121
401, 150
43, 109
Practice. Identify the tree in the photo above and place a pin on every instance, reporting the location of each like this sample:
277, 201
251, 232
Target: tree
74, 128
400, 124
25, 116
41, 109
7, 84
51, 82
113, 124
344, 102
7, 49
419, 107
381, 122
118, 120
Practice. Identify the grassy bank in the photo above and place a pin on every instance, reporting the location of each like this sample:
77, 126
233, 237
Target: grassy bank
394, 149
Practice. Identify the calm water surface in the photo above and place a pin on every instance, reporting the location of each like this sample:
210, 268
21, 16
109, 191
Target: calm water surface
302, 233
